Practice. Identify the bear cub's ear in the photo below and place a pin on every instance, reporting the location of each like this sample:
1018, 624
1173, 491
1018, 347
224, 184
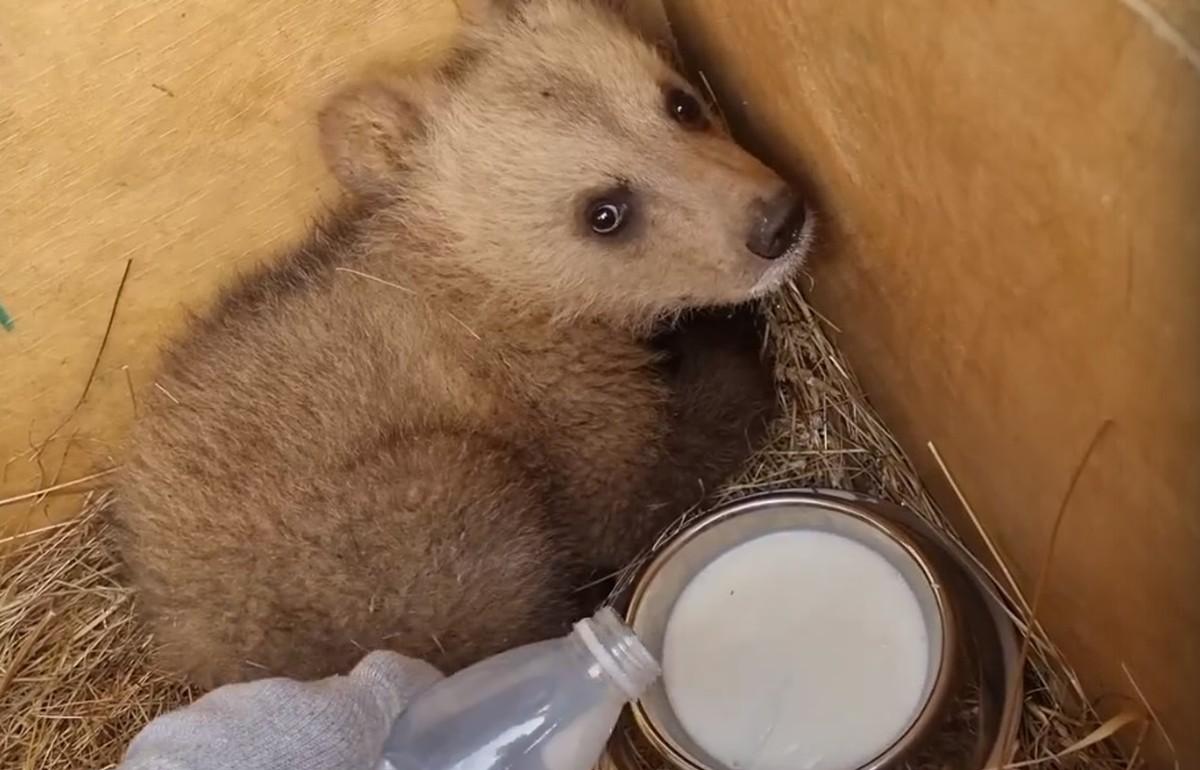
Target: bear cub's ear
366, 132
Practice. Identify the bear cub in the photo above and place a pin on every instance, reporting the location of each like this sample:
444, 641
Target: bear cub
494, 374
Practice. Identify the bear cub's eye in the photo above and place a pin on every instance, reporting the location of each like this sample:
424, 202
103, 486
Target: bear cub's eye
609, 213
607, 217
685, 110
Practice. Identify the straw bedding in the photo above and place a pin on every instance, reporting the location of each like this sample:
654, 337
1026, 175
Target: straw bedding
76, 680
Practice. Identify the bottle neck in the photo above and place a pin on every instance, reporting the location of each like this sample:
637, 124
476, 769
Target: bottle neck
619, 653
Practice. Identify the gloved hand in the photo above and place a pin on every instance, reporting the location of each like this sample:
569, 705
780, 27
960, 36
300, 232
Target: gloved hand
339, 723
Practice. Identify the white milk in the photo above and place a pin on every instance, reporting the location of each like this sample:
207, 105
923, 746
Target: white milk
798, 650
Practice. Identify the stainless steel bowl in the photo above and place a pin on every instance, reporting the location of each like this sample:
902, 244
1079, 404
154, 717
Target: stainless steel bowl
917, 552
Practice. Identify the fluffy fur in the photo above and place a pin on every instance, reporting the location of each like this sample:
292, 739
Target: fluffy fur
429, 425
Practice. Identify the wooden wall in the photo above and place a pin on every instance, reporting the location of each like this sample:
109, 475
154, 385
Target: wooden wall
1012, 191
1011, 246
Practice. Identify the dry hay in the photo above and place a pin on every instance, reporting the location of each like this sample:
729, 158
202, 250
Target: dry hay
76, 683
75, 677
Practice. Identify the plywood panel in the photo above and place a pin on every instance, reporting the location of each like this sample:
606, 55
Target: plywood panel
176, 135
1014, 257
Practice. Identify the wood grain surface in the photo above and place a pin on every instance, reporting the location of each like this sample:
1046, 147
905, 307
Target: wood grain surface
1013, 255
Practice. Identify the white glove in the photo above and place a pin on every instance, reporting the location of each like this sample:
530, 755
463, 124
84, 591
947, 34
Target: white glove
339, 723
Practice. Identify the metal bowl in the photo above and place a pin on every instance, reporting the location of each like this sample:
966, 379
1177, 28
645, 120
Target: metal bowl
944, 593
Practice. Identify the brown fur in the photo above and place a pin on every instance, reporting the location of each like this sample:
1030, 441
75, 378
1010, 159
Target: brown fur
425, 428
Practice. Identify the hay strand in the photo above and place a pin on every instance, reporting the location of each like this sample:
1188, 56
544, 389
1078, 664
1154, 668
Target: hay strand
95, 367
1043, 577
37, 494
1153, 714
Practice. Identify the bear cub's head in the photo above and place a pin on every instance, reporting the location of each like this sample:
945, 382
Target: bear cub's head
558, 155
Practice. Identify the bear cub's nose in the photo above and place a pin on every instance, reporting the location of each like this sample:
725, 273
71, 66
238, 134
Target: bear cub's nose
777, 224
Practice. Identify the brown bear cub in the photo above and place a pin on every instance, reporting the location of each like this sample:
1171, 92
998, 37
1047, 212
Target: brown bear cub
480, 384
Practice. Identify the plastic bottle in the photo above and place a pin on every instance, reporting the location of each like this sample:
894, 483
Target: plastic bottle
546, 706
